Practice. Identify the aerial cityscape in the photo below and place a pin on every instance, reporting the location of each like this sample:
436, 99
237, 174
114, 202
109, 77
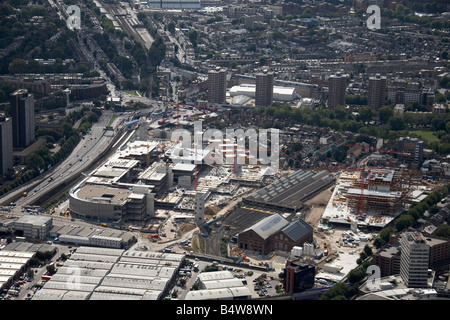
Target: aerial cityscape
231, 150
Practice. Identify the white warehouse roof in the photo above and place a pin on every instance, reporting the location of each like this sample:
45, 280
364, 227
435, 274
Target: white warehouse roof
249, 90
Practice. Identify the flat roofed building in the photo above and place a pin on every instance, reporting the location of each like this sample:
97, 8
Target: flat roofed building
108, 204
388, 260
377, 92
337, 90
217, 85
22, 114
298, 276
264, 89
35, 227
6, 145
414, 259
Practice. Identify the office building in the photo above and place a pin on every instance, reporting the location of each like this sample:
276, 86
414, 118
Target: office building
264, 89
217, 85
298, 276
377, 92
414, 259
337, 89
34, 227
22, 113
6, 145
388, 260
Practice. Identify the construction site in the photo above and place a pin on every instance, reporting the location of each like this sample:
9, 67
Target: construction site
180, 201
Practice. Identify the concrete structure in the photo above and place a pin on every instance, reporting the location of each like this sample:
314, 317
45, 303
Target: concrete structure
108, 204
377, 92
380, 192
34, 227
23, 122
388, 257
413, 147
88, 91
337, 90
199, 208
217, 85
264, 89
6, 145
388, 260
414, 259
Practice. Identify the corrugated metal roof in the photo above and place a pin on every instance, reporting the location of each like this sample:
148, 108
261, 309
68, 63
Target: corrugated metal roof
297, 229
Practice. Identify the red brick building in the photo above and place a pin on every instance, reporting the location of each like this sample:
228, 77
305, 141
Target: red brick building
275, 233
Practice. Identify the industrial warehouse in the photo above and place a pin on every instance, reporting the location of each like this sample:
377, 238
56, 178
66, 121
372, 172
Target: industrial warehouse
12, 265
112, 274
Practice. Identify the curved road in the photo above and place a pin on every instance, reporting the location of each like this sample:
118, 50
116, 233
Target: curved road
93, 144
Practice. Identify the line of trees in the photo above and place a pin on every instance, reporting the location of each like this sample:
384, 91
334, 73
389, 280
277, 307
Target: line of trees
409, 218
66, 136
389, 126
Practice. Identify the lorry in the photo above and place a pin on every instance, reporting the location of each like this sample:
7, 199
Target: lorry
162, 121
45, 278
167, 250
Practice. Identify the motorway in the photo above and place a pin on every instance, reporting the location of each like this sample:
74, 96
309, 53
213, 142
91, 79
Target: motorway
82, 157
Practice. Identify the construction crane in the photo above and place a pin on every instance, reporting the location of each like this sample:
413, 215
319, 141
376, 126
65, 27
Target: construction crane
364, 170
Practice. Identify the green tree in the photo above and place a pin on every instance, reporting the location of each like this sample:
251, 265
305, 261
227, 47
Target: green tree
193, 36
51, 270
396, 123
385, 113
262, 61
35, 161
403, 222
367, 250
378, 243
171, 27
338, 290
365, 114
443, 230
18, 66
385, 234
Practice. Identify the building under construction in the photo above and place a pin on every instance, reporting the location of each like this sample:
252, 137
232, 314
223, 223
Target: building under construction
378, 192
